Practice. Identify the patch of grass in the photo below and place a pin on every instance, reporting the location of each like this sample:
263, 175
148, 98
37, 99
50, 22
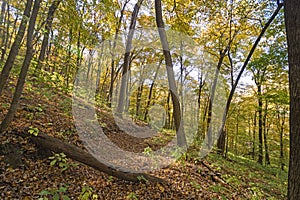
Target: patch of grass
262, 182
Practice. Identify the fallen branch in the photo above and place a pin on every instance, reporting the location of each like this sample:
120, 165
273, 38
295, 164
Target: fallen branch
76, 153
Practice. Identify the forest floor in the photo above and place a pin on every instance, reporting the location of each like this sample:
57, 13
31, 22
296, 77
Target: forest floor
27, 172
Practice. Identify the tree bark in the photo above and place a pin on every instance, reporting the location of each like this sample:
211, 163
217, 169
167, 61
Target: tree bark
48, 27
254, 136
112, 74
292, 20
15, 47
260, 124
121, 102
2, 25
150, 91
71, 151
181, 139
200, 86
26, 63
265, 131
5, 39
280, 125
232, 91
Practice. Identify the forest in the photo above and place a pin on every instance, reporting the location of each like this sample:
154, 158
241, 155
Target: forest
141, 99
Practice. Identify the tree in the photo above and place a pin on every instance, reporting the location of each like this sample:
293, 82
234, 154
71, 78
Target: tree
292, 20
221, 141
120, 108
113, 62
15, 47
48, 27
2, 25
181, 139
26, 63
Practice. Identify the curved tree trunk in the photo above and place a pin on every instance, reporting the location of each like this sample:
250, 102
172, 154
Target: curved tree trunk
232, 91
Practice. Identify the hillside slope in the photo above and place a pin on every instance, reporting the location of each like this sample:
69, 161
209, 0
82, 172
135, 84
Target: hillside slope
26, 170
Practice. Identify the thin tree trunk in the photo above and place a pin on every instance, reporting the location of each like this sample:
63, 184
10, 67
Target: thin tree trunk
2, 16
5, 40
260, 124
168, 118
281, 121
236, 134
292, 20
139, 94
205, 117
26, 63
69, 58
2, 25
124, 79
199, 129
232, 91
181, 139
266, 130
48, 27
112, 75
99, 69
150, 91
254, 136
211, 100
14, 31
15, 47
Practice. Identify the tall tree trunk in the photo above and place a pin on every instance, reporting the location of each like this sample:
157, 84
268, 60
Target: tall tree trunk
69, 58
2, 25
236, 134
15, 47
232, 91
266, 130
124, 79
181, 139
139, 92
254, 135
168, 118
150, 91
260, 124
26, 63
292, 20
212, 98
2, 16
7, 36
100, 56
282, 164
112, 74
48, 27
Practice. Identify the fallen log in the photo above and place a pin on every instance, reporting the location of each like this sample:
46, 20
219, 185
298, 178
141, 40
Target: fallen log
76, 153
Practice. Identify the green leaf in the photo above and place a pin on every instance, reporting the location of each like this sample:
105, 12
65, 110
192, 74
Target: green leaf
53, 162
65, 197
45, 192
62, 189
56, 197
